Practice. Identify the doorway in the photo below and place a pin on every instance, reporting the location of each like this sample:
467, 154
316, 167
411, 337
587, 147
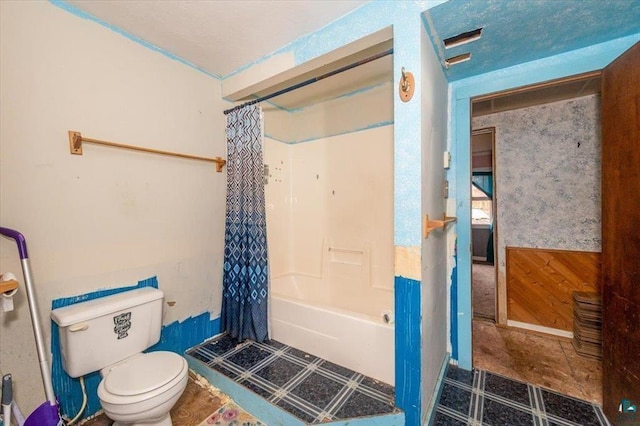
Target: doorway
545, 152
483, 225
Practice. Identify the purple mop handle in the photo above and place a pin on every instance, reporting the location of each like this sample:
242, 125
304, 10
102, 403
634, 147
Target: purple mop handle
47, 414
19, 238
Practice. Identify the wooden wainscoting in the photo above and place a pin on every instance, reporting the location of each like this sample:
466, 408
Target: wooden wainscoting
541, 282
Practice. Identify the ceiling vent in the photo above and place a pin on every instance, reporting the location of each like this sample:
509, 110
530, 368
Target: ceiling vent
462, 38
457, 59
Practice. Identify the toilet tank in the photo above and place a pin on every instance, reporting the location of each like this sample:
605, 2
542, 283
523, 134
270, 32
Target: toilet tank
100, 332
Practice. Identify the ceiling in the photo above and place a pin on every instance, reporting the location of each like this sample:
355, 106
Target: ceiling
222, 36
518, 31
217, 36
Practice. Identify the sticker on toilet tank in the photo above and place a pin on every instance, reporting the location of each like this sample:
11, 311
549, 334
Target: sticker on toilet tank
122, 324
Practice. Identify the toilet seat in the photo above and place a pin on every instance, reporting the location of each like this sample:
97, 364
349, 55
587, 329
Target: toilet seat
143, 373
142, 377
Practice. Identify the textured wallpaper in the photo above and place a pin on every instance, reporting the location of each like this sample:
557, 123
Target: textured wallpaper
548, 175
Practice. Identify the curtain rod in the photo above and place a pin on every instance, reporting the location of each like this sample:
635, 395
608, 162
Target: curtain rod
312, 80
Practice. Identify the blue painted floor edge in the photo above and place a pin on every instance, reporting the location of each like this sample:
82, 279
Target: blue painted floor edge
269, 413
247, 400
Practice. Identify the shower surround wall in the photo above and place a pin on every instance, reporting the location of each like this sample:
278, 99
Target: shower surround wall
330, 211
330, 230
419, 129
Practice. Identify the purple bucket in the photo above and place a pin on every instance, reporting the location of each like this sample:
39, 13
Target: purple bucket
45, 415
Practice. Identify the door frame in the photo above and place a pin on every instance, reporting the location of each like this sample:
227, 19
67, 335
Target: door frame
580, 61
620, 269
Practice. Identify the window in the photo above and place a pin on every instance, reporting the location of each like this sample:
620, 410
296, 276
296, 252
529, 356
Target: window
481, 207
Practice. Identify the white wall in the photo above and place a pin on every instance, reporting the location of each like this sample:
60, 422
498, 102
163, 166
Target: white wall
110, 217
362, 110
344, 114
278, 199
435, 280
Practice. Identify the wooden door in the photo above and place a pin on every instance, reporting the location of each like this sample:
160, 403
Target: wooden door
621, 231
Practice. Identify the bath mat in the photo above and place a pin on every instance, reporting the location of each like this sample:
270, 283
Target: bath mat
231, 415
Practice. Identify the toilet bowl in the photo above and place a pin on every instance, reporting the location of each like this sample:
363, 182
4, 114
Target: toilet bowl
142, 389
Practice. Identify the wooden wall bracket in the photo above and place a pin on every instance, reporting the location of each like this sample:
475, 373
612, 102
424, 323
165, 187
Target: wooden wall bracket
431, 225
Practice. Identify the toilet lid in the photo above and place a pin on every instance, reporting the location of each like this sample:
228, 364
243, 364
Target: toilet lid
143, 373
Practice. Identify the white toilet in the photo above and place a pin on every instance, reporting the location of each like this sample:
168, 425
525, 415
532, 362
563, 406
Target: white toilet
109, 334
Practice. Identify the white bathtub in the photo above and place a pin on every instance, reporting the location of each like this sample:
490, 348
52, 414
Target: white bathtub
356, 341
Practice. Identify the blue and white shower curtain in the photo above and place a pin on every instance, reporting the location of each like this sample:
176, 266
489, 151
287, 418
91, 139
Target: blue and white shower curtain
246, 273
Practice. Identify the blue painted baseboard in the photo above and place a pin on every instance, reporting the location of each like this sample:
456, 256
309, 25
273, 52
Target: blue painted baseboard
175, 337
408, 336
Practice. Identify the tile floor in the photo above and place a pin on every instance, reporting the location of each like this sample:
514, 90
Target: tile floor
311, 388
544, 361
482, 398
316, 390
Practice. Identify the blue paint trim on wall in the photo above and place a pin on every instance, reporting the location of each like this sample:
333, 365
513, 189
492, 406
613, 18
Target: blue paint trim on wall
266, 135
408, 348
182, 335
453, 310
364, 89
84, 15
554, 67
174, 337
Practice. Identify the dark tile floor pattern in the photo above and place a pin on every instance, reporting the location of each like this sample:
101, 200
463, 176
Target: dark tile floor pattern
311, 388
482, 398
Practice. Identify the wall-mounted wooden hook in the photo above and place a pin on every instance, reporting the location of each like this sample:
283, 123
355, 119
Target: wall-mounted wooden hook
407, 86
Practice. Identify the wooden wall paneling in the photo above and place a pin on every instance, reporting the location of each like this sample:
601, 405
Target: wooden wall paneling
541, 282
